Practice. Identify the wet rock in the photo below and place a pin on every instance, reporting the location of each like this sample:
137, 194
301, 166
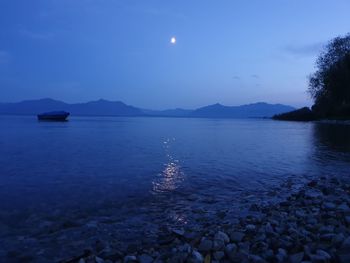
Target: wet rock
344, 256
250, 228
329, 206
346, 243
320, 257
222, 236
218, 244
130, 259
206, 245
144, 258
237, 236
296, 258
256, 259
178, 231
195, 257
99, 260
281, 255
218, 255
343, 208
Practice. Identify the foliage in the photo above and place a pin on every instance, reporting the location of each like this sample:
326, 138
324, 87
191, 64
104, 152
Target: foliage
329, 86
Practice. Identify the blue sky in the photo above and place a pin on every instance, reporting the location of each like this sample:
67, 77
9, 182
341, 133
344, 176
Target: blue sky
231, 52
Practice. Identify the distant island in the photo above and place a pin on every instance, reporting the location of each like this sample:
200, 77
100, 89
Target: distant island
117, 108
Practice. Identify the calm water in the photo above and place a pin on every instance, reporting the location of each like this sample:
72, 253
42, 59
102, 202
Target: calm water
142, 173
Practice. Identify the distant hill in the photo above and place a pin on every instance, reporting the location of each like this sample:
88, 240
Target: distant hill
93, 108
117, 108
255, 110
169, 113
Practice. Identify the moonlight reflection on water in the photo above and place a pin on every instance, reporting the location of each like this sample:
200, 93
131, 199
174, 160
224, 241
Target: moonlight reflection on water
172, 175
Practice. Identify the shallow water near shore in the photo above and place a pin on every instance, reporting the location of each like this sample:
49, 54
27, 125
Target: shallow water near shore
125, 180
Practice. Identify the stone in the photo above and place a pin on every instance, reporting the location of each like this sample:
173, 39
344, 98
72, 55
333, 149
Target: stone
205, 245
296, 258
130, 258
347, 220
344, 257
99, 260
237, 236
179, 232
329, 206
321, 256
338, 239
144, 258
195, 257
223, 236
218, 255
218, 244
281, 255
256, 259
250, 227
343, 207
346, 243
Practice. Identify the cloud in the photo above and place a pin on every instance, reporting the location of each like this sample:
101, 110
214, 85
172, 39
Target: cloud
236, 77
305, 50
4, 57
36, 35
255, 76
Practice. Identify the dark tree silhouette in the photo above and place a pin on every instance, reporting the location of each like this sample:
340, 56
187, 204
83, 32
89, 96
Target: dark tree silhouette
329, 86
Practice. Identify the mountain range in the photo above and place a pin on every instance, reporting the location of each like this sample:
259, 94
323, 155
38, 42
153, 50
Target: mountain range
117, 108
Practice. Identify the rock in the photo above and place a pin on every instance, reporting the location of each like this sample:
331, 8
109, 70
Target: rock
344, 257
321, 256
129, 259
206, 245
329, 206
99, 260
195, 257
256, 259
218, 255
296, 258
347, 220
346, 243
281, 255
338, 239
223, 236
179, 232
343, 208
313, 193
144, 258
237, 236
185, 248
250, 228
312, 183
218, 244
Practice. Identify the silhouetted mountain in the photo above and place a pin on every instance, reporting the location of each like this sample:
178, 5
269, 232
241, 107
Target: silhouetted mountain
303, 114
255, 110
93, 108
117, 108
169, 113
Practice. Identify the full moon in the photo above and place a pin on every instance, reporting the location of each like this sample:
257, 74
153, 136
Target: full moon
173, 40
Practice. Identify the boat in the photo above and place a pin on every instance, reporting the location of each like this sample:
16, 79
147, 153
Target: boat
53, 116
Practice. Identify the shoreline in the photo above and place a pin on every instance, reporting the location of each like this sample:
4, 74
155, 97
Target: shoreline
310, 225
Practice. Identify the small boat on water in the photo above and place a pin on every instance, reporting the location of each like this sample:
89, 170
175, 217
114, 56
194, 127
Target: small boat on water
53, 116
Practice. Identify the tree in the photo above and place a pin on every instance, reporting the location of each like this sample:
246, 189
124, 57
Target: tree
329, 86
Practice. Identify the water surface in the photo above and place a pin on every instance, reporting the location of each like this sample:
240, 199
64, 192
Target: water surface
130, 177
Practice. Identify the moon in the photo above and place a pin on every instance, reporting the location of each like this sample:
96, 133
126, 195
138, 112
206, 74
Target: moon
173, 40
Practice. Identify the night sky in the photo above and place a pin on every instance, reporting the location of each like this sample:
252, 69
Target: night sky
231, 52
